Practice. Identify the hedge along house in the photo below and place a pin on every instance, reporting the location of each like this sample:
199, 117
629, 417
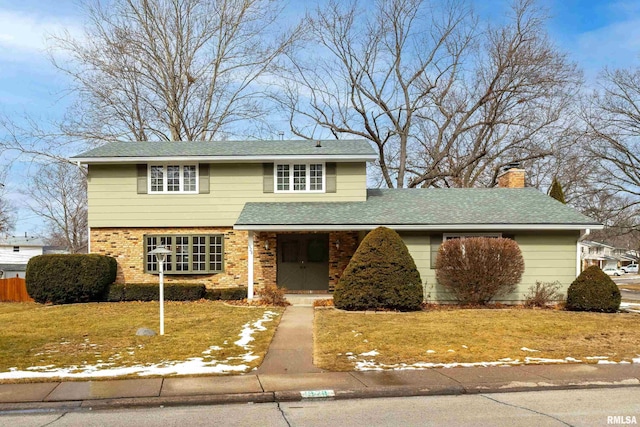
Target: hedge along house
292, 213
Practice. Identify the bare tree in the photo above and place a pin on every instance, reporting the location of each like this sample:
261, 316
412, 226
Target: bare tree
612, 116
445, 101
58, 193
7, 211
170, 69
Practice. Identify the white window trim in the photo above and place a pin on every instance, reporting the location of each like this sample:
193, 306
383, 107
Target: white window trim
165, 180
307, 177
448, 236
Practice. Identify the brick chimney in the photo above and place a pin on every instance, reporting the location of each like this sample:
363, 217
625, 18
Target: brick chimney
512, 176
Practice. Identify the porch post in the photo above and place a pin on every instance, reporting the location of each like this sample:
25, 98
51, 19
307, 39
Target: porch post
250, 266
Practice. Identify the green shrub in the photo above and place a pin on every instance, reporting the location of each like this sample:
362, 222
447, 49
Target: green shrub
172, 292
593, 290
226, 294
478, 269
233, 294
380, 275
70, 278
116, 293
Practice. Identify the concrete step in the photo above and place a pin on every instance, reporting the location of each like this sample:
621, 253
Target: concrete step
306, 300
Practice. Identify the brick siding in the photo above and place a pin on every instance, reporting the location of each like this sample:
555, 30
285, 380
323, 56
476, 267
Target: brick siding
127, 246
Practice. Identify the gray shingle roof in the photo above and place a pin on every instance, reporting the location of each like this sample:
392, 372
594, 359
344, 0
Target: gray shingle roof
464, 208
128, 150
21, 241
13, 267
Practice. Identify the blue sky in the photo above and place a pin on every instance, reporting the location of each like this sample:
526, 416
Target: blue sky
594, 33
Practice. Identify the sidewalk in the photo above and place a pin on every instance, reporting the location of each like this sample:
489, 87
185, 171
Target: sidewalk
258, 388
288, 374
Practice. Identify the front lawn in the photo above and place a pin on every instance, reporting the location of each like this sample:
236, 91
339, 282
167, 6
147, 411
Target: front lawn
99, 339
347, 341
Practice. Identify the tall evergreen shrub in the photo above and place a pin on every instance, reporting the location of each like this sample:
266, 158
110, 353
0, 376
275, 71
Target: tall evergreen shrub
381, 275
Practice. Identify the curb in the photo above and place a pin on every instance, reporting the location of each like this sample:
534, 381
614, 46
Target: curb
298, 396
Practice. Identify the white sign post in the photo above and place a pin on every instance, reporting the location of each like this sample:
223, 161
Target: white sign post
161, 254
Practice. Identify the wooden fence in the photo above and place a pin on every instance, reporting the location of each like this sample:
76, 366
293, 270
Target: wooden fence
14, 290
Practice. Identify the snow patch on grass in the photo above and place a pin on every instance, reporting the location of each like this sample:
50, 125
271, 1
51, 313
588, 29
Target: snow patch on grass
372, 365
191, 366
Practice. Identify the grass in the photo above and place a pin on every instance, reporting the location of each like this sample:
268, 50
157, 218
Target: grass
472, 336
85, 334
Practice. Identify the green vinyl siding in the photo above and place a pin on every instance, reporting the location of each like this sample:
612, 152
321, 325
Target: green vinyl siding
114, 200
548, 256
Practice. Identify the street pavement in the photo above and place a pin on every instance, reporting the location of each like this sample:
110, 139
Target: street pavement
591, 407
288, 374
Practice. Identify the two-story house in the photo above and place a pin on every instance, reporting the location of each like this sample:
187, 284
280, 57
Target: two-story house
292, 213
15, 253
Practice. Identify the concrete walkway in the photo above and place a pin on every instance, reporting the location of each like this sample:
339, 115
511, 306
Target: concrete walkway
291, 350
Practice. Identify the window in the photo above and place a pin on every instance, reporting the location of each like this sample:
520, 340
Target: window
16, 249
300, 177
449, 236
190, 254
173, 178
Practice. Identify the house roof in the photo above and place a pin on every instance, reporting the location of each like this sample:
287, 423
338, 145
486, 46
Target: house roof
422, 209
13, 267
221, 151
21, 241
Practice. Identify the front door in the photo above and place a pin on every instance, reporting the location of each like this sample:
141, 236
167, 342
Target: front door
303, 262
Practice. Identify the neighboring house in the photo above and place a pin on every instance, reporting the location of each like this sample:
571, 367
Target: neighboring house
292, 213
604, 255
15, 253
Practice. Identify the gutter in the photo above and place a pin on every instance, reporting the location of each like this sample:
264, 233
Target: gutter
225, 159
414, 227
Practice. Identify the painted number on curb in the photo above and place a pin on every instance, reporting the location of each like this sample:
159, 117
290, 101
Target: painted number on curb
317, 393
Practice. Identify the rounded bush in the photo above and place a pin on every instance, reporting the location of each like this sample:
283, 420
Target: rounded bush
381, 275
67, 279
593, 290
478, 269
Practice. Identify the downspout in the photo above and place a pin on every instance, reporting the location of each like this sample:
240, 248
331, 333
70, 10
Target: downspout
88, 226
583, 234
250, 266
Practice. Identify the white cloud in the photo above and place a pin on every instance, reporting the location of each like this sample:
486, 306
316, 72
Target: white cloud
23, 35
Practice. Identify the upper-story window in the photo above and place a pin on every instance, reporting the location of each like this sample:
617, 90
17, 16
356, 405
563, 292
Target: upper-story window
300, 177
173, 178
